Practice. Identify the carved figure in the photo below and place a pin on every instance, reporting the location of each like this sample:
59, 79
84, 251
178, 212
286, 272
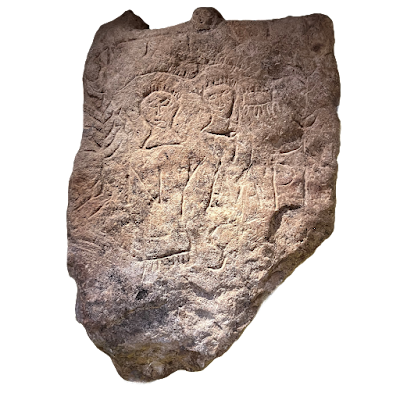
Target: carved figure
220, 99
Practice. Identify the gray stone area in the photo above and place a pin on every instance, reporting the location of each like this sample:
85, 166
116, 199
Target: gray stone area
206, 175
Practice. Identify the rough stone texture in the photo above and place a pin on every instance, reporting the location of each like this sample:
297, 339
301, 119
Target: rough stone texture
206, 174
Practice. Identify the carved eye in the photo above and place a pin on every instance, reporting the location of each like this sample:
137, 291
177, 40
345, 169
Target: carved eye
259, 98
165, 103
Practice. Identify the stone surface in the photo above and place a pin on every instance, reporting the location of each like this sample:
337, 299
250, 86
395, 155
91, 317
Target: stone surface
206, 174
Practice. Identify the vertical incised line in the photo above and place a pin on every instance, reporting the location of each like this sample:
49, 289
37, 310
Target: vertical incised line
274, 184
159, 184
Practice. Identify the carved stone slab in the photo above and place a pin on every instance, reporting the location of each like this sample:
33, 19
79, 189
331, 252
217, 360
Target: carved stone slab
206, 174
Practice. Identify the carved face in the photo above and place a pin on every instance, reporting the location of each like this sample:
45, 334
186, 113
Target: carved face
220, 99
158, 108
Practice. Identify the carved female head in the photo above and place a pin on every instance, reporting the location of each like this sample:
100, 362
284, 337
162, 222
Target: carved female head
220, 100
158, 108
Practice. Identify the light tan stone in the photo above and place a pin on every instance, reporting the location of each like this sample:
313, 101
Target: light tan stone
206, 175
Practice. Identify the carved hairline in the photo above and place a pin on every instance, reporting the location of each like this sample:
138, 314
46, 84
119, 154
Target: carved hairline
215, 76
172, 84
162, 82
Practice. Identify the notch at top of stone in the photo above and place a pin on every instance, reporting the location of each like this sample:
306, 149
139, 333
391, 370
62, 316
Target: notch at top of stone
205, 18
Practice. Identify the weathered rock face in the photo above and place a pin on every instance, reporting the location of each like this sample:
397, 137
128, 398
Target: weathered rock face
206, 174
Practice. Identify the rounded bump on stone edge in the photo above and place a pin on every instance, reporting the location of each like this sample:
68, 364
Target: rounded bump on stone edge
205, 18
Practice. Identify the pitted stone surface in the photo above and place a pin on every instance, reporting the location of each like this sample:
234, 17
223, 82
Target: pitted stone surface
206, 175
